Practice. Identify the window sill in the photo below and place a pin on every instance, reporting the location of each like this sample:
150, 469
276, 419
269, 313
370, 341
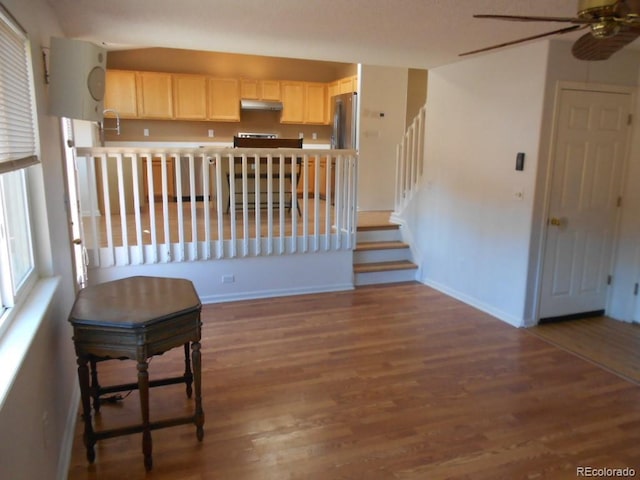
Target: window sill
16, 340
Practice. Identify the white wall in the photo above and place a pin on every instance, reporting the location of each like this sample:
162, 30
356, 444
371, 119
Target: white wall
254, 277
383, 90
474, 231
36, 414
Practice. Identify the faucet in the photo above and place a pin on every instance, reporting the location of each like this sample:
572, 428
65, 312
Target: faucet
104, 129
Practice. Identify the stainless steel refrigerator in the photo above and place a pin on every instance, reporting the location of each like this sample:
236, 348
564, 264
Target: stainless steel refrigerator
344, 113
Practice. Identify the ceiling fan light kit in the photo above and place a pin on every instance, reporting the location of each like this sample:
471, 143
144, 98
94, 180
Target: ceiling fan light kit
612, 24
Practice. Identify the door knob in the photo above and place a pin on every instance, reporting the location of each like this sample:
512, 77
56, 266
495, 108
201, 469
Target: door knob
556, 222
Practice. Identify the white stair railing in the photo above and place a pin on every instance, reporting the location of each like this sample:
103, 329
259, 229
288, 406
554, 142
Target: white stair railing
154, 205
409, 162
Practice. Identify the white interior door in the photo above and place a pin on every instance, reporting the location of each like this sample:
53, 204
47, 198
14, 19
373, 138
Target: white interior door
79, 251
590, 146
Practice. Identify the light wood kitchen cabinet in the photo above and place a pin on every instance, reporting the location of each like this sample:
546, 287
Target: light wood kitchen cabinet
190, 97
323, 172
260, 89
249, 89
292, 102
315, 103
120, 93
311, 175
348, 84
270, 90
333, 89
155, 95
224, 99
304, 102
156, 168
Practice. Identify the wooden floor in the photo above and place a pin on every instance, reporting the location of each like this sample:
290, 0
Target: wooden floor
383, 382
608, 343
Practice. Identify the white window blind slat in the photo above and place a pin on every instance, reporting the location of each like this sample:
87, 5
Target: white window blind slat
18, 129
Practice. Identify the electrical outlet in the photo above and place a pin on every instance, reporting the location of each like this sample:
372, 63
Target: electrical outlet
145, 132
314, 135
228, 279
211, 133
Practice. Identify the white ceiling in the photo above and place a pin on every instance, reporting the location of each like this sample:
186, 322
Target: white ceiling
407, 33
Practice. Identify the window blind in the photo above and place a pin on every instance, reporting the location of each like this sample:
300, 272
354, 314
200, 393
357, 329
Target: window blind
18, 147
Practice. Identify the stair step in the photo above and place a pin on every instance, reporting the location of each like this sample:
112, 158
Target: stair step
369, 228
384, 266
380, 245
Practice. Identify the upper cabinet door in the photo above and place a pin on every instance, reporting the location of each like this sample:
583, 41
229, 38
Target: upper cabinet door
292, 102
347, 84
224, 99
190, 97
155, 95
315, 105
260, 89
249, 89
270, 90
120, 93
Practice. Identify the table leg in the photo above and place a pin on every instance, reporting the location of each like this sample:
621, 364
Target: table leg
188, 375
83, 378
143, 387
95, 386
197, 377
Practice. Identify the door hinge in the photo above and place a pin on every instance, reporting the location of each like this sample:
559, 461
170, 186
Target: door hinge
636, 289
619, 202
630, 119
609, 279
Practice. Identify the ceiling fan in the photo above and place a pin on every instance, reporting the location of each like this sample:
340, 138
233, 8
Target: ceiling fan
612, 25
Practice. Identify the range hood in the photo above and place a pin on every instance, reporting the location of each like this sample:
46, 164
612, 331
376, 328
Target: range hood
273, 105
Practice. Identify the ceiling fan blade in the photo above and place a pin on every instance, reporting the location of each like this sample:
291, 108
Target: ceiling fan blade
572, 28
528, 18
592, 48
627, 7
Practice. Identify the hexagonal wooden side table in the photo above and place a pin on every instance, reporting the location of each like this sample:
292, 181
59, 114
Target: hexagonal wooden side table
136, 318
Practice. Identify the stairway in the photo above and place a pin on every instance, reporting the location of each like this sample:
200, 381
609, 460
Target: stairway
380, 255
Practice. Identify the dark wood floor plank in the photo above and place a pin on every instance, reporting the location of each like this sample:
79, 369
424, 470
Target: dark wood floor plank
384, 382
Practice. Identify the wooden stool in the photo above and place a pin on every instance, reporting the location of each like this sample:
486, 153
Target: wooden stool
136, 318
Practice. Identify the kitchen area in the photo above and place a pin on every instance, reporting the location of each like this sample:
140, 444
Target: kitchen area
171, 115
187, 99
170, 95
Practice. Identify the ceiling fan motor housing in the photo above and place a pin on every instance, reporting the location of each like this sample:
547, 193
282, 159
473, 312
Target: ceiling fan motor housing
600, 9
596, 8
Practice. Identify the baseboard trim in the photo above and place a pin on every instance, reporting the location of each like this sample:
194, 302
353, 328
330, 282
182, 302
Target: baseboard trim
66, 446
475, 303
254, 295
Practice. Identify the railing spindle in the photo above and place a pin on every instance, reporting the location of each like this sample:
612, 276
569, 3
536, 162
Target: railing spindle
94, 210
219, 205
269, 204
106, 199
165, 205
177, 163
135, 180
